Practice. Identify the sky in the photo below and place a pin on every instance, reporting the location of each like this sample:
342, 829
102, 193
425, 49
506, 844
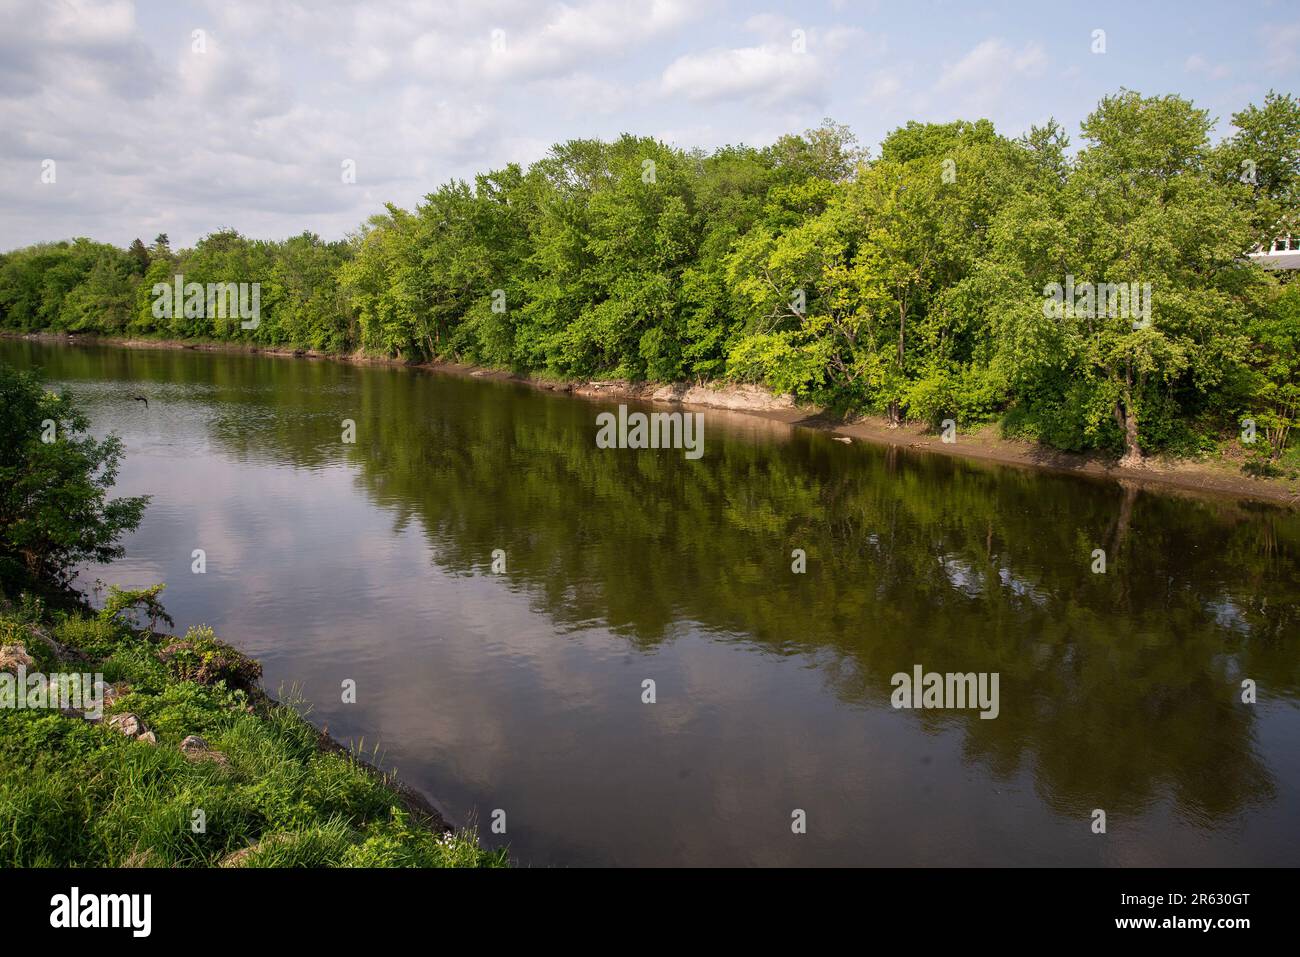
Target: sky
187, 116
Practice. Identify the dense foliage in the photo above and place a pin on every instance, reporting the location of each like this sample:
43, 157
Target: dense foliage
54, 484
910, 284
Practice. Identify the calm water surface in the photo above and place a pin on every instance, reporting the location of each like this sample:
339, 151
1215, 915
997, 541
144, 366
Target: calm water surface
523, 690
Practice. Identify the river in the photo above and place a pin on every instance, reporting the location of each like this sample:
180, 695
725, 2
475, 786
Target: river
501, 591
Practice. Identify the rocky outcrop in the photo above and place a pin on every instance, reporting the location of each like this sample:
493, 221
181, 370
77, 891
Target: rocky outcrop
127, 723
737, 398
12, 657
734, 398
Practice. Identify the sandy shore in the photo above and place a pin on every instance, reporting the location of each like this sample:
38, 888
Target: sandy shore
1216, 478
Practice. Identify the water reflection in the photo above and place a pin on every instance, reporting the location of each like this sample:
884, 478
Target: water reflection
373, 561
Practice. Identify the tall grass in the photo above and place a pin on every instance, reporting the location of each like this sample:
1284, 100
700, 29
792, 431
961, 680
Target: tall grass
80, 794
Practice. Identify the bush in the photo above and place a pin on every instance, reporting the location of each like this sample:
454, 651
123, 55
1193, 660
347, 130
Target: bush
54, 480
203, 658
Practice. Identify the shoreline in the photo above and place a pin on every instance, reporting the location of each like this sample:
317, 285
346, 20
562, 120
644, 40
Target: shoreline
246, 724
981, 445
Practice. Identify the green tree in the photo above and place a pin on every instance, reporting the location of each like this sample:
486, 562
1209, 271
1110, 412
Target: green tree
1276, 361
140, 254
1263, 156
1141, 207
54, 483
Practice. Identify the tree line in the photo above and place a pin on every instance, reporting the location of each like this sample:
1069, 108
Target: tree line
913, 283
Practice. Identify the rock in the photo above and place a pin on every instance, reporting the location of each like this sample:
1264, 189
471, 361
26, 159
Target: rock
107, 696
14, 656
148, 737
237, 858
129, 724
193, 742
842, 438
738, 398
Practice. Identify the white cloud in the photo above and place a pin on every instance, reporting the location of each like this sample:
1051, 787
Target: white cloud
768, 74
578, 36
80, 22
982, 77
839, 39
883, 86
149, 135
586, 93
1282, 47
1197, 64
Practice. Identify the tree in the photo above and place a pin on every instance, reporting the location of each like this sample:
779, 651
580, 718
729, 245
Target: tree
54, 481
828, 152
910, 285
140, 255
375, 279
860, 299
103, 300
1264, 157
1141, 208
1276, 361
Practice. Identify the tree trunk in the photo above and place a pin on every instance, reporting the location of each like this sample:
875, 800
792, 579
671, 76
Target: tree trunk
902, 327
1128, 423
895, 409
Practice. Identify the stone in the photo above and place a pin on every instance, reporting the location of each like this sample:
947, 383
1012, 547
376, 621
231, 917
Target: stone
148, 737
129, 724
13, 657
196, 749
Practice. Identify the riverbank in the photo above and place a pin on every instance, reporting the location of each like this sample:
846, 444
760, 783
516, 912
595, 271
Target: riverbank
1223, 477
179, 759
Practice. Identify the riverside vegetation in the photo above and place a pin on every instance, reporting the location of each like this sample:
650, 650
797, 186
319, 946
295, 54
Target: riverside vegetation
909, 284
188, 764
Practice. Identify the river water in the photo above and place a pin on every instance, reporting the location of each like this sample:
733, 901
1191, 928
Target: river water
523, 689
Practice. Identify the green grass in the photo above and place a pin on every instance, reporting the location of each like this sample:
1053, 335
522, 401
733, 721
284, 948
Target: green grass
80, 794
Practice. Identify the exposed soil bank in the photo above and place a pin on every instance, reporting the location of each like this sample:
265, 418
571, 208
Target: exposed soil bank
1206, 477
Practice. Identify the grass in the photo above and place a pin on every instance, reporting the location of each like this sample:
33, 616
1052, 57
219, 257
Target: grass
77, 793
